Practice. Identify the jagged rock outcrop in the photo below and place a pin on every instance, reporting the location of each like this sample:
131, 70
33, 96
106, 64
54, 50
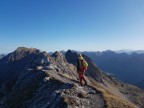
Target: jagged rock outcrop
34, 79
17, 63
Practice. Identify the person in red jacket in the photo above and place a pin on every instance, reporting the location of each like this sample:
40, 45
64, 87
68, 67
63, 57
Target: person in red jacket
81, 68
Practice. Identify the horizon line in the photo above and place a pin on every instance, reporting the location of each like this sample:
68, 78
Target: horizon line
120, 50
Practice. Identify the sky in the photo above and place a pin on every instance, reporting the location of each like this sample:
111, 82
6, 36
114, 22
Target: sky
82, 25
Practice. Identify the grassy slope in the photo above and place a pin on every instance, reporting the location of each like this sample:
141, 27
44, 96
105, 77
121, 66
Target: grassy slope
112, 100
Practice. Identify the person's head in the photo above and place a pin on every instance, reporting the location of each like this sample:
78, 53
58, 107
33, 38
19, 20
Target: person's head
80, 57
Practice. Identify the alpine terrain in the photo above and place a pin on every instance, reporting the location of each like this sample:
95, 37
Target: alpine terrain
30, 78
126, 67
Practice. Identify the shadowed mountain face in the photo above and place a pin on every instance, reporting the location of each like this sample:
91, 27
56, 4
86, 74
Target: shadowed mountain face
1, 56
141, 84
127, 67
34, 79
18, 61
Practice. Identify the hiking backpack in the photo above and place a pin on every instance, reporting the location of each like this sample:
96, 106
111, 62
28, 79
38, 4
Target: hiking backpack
83, 65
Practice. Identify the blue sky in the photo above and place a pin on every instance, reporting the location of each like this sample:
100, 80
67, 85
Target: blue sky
85, 25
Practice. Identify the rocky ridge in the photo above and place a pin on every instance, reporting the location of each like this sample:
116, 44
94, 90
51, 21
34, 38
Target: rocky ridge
34, 79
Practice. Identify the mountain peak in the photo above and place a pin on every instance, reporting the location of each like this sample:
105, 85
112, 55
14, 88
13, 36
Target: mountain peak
56, 54
69, 51
22, 49
71, 57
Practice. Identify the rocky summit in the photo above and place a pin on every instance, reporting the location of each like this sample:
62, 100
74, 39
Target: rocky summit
30, 78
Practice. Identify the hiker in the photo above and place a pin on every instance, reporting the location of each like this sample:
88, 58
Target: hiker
81, 68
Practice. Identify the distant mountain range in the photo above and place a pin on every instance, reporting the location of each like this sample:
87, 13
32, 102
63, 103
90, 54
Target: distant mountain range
129, 51
127, 67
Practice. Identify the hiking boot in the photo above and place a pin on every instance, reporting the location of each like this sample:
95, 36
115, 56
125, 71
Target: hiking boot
85, 83
80, 84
